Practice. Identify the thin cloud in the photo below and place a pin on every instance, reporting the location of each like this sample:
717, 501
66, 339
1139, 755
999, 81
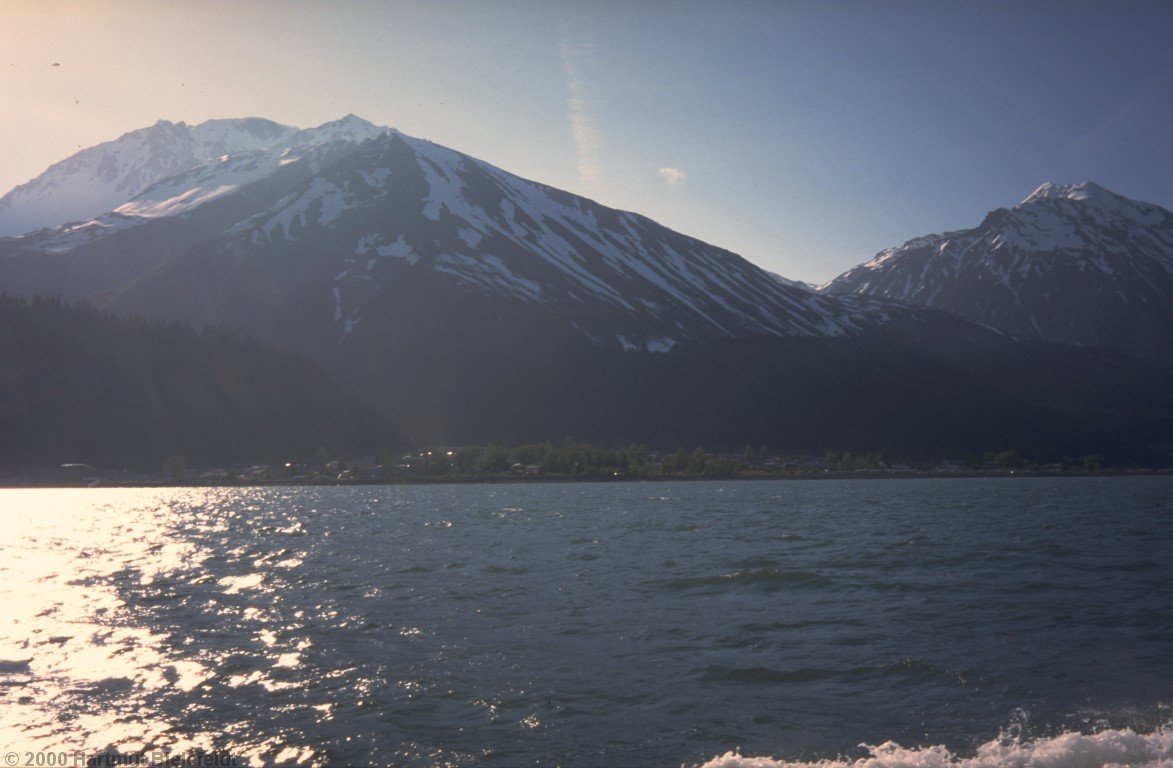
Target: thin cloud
672, 175
588, 139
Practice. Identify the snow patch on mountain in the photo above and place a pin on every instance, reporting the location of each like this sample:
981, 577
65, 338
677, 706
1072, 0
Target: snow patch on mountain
183, 192
104, 177
376, 179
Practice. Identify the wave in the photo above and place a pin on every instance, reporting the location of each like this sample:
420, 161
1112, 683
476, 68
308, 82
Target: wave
1073, 749
770, 578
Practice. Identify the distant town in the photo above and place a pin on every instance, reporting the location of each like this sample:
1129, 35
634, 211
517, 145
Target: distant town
546, 462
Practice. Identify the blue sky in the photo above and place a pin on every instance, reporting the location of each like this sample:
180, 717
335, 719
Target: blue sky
805, 136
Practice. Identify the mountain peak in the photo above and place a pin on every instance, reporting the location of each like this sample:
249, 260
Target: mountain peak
348, 128
1087, 190
351, 121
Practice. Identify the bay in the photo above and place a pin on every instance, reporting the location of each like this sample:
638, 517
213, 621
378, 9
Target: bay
659, 624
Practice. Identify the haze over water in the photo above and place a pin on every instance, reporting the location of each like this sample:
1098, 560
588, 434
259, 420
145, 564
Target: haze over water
595, 624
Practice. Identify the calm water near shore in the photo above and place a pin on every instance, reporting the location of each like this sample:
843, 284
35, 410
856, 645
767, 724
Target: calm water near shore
994, 621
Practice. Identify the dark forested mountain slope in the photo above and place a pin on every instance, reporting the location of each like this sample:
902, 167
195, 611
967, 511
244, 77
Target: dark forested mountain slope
77, 385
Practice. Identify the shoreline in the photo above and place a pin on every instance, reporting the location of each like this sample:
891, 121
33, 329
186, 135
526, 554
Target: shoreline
510, 479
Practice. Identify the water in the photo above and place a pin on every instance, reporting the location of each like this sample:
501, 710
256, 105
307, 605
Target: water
996, 622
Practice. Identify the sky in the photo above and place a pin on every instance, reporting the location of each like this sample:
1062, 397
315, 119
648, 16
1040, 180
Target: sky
805, 136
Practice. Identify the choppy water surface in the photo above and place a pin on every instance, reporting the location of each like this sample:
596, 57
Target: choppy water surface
658, 624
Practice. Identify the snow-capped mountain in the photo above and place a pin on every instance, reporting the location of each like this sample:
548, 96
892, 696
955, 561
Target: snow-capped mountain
1076, 264
347, 226
96, 180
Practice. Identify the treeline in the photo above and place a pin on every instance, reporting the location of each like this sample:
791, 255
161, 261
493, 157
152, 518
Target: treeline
568, 459
847, 461
78, 385
587, 461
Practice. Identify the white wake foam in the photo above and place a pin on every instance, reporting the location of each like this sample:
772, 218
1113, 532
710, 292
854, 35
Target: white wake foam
1069, 750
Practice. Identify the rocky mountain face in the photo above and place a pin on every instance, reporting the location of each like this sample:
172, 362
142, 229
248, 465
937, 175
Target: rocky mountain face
100, 178
1075, 264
